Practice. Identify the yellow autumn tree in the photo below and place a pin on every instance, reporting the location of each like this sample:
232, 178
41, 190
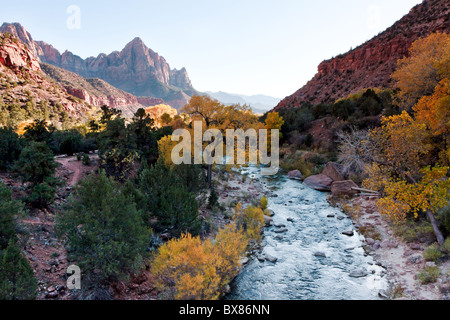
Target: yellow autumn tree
428, 195
399, 145
186, 262
251, 221
427, 64
401, 174
191, 269
229, 247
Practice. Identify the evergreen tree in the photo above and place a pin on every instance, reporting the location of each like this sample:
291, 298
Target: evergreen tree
9, 208
169, 200
17, 281
36, 163
10, 147
103, 228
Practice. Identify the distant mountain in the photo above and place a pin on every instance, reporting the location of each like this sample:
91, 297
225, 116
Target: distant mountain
371, 64
259, 103
136, 69
94, 91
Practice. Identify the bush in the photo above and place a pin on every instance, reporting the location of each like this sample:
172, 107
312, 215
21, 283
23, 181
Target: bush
86, 160
10, 147
189, 269
433, 253
103, 228
43, 194
250, 221
9, 209
17, 281
429, 275
36, 163
170, 202
213, 199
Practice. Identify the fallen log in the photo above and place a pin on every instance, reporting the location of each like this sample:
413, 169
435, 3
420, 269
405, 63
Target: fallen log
364, 190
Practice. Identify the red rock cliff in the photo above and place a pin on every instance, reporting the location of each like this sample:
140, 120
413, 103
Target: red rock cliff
371, 64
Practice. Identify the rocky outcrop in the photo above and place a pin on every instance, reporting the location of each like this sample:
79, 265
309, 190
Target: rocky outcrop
14, 55
333, 170
343, 188
136, 69
22, 71
295, 175
149, 101
319, 182
371, 64
95, 92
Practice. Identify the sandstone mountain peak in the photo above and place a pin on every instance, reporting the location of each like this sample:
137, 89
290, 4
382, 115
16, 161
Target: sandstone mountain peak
372, 63
135, 69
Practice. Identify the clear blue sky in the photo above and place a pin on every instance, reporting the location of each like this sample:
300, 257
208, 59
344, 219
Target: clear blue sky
268, 47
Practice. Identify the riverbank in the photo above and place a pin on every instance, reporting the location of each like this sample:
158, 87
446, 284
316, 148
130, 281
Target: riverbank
402, 260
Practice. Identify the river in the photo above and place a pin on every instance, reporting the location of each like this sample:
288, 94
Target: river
315, 259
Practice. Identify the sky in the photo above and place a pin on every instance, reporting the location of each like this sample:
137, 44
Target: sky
270, 47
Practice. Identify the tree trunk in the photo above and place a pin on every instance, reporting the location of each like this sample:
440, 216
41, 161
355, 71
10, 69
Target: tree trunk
437, 232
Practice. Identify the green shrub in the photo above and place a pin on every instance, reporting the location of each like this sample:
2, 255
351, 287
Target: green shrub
10, 147
17, 280
429, 275
86, 160
9, 209
42, 194
104, 230
433, 253
36, 163
175, 208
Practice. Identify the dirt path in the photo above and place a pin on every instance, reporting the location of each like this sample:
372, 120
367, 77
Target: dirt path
74, 170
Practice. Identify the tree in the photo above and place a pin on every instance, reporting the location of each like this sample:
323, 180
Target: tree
203, 107
9, 210
104, 230
250, 221
189, 269
190, 266
166, 118
146, 144
429, 195
427, 64
434, 110
10, 147
117, 148
170, 202
17, 281
36, 163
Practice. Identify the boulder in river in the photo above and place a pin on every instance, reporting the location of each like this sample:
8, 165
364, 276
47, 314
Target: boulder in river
281, 230
349, 233
271, 258
343, 188
358, 273
319, 182
295, 174
320, 254
333, 170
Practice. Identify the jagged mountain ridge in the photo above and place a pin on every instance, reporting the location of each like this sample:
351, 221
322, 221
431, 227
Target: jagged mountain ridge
372, 63
136, 69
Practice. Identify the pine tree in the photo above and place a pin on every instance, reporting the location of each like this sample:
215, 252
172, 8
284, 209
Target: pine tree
103, 228
17, 281
8, 210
